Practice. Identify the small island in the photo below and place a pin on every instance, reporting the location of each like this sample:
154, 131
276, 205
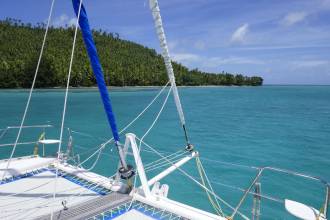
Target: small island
125, 63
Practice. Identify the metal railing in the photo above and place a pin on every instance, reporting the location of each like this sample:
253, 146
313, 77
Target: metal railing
261, 170
5, 130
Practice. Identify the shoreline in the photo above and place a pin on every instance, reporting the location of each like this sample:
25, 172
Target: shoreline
117, 88
121, 87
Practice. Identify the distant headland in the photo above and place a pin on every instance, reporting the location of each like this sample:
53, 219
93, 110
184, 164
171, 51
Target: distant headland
125, 63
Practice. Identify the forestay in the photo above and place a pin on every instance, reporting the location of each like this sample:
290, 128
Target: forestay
167, 59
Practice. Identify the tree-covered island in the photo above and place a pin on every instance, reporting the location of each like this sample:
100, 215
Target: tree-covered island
125, 63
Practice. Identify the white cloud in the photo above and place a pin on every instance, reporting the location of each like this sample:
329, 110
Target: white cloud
193, 60
186, 57
240, 34
64, 20
282, 47
293, 18
218, 61
310, 63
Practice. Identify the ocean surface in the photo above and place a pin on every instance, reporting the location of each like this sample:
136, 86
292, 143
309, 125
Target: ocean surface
281, 126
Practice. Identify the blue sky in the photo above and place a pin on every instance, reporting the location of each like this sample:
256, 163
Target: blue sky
284, 41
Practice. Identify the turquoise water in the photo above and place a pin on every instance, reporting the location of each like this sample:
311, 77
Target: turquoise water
281, 126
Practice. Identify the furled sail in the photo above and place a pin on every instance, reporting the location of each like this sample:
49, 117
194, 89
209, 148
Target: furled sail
96, 66
167, 59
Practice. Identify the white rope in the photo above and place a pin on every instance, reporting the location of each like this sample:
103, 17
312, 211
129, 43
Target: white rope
149, 169
157, 117
145, 109
202, 158
144, 150
217, 207
152, 165
171, 156
92, 155
95, 162
5, 130
31, 90
22, 143
146, 133
165, 162
156, 161
65, 100
278, 200
103, 145
88, 150
141, 113
195, 181
230, 164
88, 135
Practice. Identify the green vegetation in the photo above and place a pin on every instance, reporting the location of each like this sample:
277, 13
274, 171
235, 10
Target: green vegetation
124, 63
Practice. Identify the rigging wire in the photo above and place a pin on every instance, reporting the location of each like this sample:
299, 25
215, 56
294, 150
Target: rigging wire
66, 98
31, 89
64, 111
154, 164
156, 161
96, 160
145, 109
22, 143
157, 117
87, 135
145, 134
202, 174
153, 124
195, 181
230, 164
173, 161
252, 193
160, 163
103, 145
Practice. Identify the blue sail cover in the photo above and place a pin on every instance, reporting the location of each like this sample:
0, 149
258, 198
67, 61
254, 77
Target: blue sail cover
96, 66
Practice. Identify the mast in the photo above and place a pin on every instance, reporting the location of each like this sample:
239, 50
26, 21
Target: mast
167, 59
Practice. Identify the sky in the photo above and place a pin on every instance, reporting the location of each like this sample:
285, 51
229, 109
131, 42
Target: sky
284, 41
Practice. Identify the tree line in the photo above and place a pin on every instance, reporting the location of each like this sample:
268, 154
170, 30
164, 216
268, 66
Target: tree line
124, 63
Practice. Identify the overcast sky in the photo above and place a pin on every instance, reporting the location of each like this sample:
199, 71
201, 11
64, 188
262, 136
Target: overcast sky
284, 41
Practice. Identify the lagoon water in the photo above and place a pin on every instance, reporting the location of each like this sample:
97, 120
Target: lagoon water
280, 126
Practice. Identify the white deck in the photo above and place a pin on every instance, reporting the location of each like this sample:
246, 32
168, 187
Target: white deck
27, 197
22, 165
33, 196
